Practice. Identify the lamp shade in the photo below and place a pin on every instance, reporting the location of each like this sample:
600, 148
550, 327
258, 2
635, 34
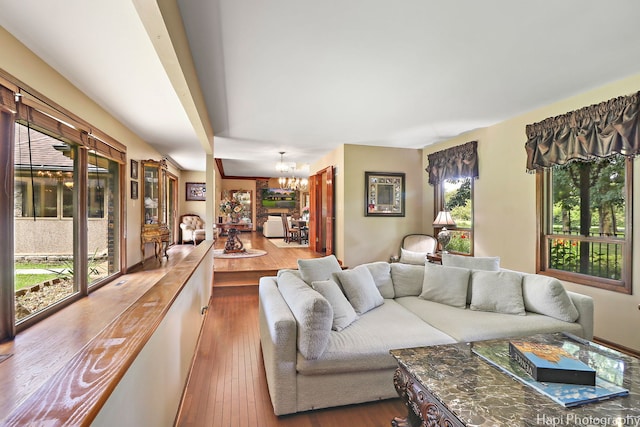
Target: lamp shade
444, 220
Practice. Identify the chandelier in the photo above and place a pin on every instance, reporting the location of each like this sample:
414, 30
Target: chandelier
291, 183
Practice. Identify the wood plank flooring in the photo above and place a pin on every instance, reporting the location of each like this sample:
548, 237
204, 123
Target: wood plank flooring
228, 387
243, 271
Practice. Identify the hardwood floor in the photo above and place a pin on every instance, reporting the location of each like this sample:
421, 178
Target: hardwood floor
243, 271
228, 387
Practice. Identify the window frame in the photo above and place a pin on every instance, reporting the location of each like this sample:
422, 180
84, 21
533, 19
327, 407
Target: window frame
439, 205
544, 210
19, 106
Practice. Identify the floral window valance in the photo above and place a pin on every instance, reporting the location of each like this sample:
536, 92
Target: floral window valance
600, 130
453, 163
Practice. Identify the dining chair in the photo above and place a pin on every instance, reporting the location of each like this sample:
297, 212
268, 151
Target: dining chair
289, 233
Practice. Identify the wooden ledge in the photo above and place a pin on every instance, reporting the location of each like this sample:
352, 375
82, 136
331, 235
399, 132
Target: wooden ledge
75, 393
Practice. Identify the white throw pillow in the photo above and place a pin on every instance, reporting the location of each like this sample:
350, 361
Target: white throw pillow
343, 312
312, 270
546, 295
313, 313
446, 285
407, 279
381, 272
410, 257
361, 290
497, 291
474, 263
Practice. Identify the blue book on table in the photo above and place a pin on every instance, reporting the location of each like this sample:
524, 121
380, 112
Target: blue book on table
568, 395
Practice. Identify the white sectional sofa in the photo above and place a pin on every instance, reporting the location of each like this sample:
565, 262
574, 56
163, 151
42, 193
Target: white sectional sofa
326, 332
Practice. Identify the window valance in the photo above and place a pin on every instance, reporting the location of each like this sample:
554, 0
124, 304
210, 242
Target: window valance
453, 163
600, 130
60, 125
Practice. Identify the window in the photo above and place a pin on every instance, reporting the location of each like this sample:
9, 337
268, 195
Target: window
585, 218
457, 197
452, 172
63, 222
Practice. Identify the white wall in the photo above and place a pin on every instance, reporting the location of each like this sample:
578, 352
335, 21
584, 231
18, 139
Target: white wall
150, 392
505, 207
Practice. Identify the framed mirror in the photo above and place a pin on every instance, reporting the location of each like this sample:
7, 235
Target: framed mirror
384, 193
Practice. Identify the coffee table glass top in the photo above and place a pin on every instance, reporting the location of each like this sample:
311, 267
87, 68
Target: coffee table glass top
479, 394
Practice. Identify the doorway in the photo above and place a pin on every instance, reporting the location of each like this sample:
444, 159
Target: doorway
321, 190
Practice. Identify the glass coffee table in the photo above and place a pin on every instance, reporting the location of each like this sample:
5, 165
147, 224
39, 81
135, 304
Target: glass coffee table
451, 385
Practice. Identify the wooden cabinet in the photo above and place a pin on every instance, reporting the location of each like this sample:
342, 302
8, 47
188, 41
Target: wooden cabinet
154, 212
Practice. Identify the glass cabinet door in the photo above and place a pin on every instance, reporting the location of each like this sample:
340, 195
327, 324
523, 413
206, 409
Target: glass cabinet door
151, 193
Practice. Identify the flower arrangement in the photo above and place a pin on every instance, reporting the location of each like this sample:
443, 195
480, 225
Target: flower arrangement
305, 210
231, 207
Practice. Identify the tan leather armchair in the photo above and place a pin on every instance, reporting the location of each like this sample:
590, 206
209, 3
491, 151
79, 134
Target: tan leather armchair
192, 229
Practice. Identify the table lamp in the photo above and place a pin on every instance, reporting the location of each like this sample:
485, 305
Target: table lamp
444, 220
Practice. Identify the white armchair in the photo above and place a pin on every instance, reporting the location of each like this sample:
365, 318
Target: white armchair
192, 229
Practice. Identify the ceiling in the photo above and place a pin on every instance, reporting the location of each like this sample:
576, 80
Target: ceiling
304, 76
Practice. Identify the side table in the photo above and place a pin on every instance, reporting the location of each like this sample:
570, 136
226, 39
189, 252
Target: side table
434, 258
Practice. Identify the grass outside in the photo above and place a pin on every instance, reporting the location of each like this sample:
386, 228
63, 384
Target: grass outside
27, 280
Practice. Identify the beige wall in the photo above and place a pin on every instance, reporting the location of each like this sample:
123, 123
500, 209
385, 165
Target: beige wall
22, 64
191, 207
239, 184
360, 230
360, 238
505, 216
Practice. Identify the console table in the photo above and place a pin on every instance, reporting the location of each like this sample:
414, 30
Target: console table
233, 243
159, 236
449, 385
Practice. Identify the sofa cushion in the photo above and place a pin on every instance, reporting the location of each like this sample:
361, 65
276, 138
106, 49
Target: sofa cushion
474, 263
446, 285
365, 345
411, 257
343, 312
469, 325
313, 313
497, 291
546, 295
360, 289
315, 269
381, 272
407, 279
289, 270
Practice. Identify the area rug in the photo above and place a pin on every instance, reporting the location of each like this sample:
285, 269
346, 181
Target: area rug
249, 253
282, 244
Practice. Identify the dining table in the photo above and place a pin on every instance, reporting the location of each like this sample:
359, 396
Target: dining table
301, 224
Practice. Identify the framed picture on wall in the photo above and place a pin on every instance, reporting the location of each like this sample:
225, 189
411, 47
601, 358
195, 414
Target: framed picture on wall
134, 169
384, 193
134, 189
196, 191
